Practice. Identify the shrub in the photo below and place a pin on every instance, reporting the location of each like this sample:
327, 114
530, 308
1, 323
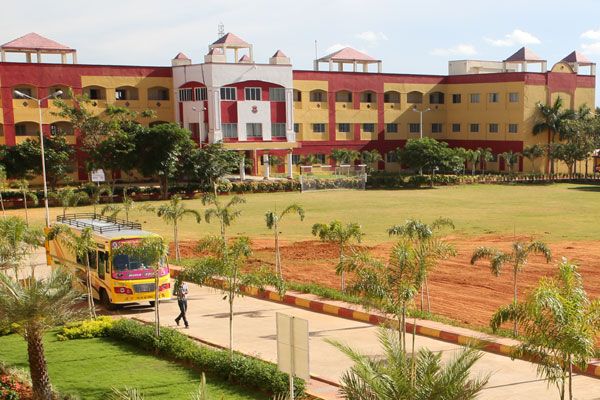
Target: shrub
246, 371
86, 329
8, 329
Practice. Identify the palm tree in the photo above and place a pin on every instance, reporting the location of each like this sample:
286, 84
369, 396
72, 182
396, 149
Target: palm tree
560, 326
226, 214
97, 192
23, 186
2, 187
553, 119
84, 246
36, 305
532, 153
401, 376
486, 156
69, 197
126, 206
151, 250
517, 257
273, 219
370, 157
429, 249
309, 159
511, 158
17, 241
173, 212
343, 236
473, 156
344, 156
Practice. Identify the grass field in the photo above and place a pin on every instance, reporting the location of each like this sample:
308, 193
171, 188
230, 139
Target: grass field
90, 367
553, 213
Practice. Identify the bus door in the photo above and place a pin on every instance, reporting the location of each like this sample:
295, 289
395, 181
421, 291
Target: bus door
102, 264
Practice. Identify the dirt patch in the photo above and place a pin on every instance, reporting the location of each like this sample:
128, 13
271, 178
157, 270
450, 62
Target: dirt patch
466, 293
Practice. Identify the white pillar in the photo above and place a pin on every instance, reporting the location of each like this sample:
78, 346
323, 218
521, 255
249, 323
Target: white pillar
267, 166
2, 56
242, 168
290, 166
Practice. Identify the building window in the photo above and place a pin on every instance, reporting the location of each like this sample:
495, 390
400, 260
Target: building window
474, 97
391, 97
391, 156
318, 128
277, 129
120, 94
343, 96
253, 93
254, 129
185, 94
513, 128
456, 128
344, 128
317, 96
158, 93
367, 97
230, 131
320, 158
436, 127
25, 90
200, 93
456, 98
277, 94
494, 97
493, 128
228, 93
436, 98
368, 128
295, 159
474, 128
297, 96
95, 94
20, 129
391, 128
414, 97
414, 128
513, 97
296, 128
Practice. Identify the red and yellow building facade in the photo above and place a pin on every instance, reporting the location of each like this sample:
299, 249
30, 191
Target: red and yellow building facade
272, 109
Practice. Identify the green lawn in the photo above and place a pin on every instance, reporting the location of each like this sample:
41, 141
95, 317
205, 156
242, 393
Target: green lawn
552, 212
90, 367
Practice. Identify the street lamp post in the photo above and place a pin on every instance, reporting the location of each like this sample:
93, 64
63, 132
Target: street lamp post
421, 120
39, 103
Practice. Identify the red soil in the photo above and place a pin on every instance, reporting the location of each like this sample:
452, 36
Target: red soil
466, 293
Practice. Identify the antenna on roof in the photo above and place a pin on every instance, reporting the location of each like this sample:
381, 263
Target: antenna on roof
316, 53
221, 31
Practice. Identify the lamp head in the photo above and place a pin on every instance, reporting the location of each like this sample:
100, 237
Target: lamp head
58, 93
18, 94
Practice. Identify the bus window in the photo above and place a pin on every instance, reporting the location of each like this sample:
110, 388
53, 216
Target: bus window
92, 258
102, 263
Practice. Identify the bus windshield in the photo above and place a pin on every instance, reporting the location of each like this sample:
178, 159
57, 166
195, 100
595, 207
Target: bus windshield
123, 262
133, 266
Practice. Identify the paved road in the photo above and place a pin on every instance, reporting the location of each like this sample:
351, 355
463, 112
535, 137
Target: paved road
254, 333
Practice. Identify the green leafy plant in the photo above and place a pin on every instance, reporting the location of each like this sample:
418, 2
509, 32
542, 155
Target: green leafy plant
86, 329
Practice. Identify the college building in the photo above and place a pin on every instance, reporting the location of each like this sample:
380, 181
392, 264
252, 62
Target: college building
265, 107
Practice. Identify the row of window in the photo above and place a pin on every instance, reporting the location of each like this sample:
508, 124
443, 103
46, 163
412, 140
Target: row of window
99, 93
230, 94
254, 129
436, 127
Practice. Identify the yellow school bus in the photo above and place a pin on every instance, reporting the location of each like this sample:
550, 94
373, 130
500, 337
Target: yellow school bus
117, 279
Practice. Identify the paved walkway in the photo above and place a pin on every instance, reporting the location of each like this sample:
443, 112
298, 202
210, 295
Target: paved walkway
254, 333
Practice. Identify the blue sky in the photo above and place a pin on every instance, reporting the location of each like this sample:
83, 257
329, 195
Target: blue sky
409, 36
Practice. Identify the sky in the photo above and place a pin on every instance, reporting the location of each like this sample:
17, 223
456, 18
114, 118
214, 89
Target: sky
409, 36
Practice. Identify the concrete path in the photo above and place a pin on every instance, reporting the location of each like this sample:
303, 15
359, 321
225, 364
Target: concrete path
254, 333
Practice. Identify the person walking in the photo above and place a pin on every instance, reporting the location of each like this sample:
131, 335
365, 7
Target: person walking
182, 293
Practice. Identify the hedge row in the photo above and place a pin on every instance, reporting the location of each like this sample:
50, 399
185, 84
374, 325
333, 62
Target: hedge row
243, 370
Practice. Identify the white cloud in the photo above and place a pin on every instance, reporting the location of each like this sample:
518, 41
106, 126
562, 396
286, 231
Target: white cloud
591, 48
460, 49
372, 37
591, 34
516, 37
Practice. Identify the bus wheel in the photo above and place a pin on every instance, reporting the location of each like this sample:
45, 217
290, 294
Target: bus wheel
106, 301
152, 303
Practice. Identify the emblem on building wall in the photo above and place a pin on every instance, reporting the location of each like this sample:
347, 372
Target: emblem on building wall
254, 109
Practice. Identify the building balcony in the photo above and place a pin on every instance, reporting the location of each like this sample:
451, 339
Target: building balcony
347, 105
318, 105
368, 106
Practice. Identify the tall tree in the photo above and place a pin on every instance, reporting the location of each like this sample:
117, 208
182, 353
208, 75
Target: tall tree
532, 153
36, 305
560, 326
370, 158
173, 212
430, 155
553, 120
211, 163
342, 236
273, 219
69, 197
401, 376
224, 213
511, 158
518, 258
486, 156
344, 156
23, 186
162, 151
429, 248
473, 157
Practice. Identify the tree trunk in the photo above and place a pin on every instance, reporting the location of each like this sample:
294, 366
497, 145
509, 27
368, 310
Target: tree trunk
402, 328
176, 242
25, 206
40, 381
422, 297
343, 272
586, 170
413, 358
2, 204
278, 270
570, 377
428, 298
156, 303
231, 294
89, 287
515, 299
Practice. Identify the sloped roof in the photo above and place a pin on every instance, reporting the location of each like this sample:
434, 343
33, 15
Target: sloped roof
231, 40
214, 52
181, 56
577, 57
279, 53
524, 54
244, 58
348, 54
33, 41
